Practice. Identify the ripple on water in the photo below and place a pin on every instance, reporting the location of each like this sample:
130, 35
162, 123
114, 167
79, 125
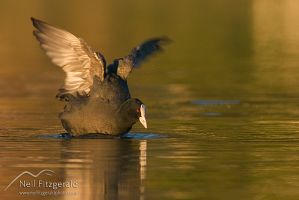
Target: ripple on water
215, 102
138, 136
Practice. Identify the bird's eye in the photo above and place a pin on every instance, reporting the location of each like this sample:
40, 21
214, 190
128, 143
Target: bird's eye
138, 110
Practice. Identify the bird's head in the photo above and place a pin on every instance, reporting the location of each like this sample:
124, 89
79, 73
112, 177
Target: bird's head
134, 110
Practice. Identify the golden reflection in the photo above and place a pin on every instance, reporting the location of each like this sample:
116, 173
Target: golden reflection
142, 164
276, 44
102, 169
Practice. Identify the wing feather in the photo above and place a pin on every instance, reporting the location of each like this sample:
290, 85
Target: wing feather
73, 55
139, 54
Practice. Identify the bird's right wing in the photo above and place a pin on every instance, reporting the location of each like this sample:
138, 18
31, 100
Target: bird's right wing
139, 54
73, 55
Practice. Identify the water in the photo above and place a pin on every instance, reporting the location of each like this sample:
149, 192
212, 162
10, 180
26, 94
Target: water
222, 102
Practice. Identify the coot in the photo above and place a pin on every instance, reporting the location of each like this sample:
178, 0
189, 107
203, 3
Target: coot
97, 96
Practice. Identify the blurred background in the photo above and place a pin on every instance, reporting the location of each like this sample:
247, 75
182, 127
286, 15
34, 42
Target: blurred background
224, 94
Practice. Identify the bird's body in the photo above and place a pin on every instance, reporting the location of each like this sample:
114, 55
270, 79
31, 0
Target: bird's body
97, 96
99, 112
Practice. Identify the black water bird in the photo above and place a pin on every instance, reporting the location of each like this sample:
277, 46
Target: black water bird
97, 96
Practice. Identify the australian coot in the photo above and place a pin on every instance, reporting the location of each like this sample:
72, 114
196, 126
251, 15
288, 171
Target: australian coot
97, 96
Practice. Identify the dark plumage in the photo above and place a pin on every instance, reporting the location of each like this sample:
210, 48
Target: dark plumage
97, 96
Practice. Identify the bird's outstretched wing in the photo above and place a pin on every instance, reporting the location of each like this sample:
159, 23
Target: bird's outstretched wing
139, 54
73, 55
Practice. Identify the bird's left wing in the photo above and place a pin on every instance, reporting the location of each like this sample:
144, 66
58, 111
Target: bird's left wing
73, 55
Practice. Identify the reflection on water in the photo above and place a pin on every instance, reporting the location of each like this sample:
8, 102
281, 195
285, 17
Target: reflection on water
142, 163
103, 169
222, 100
276, 39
